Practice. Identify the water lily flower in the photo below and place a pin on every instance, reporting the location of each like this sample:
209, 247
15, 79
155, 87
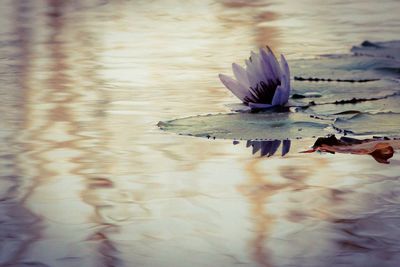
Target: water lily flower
264, 83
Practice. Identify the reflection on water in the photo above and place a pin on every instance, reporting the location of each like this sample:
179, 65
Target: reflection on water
269, 147
87, 179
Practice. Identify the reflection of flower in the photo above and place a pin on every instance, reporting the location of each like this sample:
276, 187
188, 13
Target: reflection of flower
264, 83
269, 147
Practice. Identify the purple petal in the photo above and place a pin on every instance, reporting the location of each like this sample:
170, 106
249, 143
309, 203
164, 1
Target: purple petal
267, 68
240, 74
235, 87
285, 91
285, 79
275, 65
258, 67
252, 74
259, 105
285, 68
277, 100
271, 65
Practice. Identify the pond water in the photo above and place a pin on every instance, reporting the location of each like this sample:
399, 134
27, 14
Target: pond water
88, 179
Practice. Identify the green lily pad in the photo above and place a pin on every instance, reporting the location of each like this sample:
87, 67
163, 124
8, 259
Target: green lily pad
365, 82
390, 49
345, 68
331, 92
384, 105
249, 126
384, 124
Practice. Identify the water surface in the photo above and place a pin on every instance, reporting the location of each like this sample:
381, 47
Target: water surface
88, 179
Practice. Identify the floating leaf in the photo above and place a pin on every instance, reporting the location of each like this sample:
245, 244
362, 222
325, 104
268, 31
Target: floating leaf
390, 49
381, 149
249, 126
384, 105
385, 124
345, 68
330, 92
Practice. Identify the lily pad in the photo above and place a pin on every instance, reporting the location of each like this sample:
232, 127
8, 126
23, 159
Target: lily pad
384, 105
365, 83
369, 61
249, 126
345, 68
390, 49
331, 92
385, 124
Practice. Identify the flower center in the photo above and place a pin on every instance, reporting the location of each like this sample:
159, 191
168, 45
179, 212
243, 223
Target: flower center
263, 92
